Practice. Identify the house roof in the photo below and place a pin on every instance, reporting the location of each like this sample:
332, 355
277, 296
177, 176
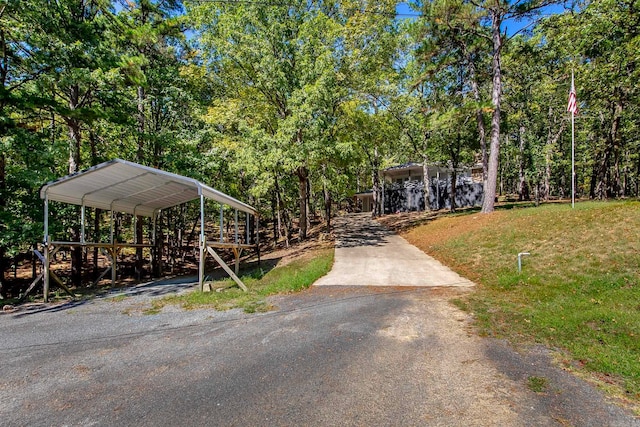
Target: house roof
124, 186
404, 166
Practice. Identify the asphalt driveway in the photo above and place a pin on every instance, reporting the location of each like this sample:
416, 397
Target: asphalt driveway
329, 356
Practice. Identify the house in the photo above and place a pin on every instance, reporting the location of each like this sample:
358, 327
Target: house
403, 188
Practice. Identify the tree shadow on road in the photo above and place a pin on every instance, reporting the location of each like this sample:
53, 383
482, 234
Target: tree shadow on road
153, 289
360, 230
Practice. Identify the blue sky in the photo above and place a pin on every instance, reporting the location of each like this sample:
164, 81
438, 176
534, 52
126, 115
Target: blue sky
512, 26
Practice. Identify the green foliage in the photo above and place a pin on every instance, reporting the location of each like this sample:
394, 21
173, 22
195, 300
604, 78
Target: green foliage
297, 106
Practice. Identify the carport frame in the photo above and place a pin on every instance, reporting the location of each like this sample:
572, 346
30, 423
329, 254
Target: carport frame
122, 186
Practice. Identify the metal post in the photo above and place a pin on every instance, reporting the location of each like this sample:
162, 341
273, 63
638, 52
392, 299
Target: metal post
247, 227
114, 254
135, 228
221, 223
82, 221
154, 249
572, 109
153, 234
111, 227
573, 163
46, 219
202, 245
46, 249
520, 255
236, 226
258, 237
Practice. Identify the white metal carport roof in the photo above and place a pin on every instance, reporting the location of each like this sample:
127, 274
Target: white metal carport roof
122, 186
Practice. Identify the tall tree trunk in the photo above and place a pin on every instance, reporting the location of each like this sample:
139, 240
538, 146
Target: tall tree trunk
283, 217
452, 195
3, 161
3, 205
303, 175
496, 98
625, 174
602, 174
93, 145
157, 267
140, 157
311, 212
617, 144
546, 185
378, 208
327, 198
617, 190
275, 214
454, 152
523, 189
479, 119
75, 141
594, 178
604, 186
141, 124
426, 182
552, 140
638, 178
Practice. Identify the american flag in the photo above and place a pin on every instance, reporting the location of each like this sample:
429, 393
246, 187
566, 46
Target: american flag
572, 106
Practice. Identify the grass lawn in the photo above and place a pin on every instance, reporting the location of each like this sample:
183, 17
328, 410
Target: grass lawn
297, 275
579, 290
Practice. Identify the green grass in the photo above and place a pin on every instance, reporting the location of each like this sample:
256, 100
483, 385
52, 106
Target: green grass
579, 290
118, 298
293, 277
537, 384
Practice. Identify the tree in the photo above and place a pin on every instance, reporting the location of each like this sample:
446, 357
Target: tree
24, 58
495, 13
599, 43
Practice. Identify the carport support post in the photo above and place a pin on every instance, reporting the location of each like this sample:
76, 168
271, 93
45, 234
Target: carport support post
153, 244
45, 290
258, 237
221, 222
203, 242
236, 227
114, 254
82, 220
46, 272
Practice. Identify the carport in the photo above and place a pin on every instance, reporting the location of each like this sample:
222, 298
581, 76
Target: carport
122, 186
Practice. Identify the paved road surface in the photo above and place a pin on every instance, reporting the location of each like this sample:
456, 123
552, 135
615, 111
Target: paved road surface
368, 254
329, 356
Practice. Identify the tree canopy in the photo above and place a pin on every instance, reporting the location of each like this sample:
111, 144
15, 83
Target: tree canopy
296, 106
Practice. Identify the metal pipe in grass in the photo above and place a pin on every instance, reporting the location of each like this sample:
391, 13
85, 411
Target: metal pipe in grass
520, 260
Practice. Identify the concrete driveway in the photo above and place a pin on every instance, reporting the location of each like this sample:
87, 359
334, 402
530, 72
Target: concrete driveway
368, 254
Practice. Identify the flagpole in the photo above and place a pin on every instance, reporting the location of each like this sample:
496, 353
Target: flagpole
573, 154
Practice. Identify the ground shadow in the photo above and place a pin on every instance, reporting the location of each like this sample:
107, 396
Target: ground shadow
359, 230
156, 288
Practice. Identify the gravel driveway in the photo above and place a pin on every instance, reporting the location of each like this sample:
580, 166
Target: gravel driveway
329, 356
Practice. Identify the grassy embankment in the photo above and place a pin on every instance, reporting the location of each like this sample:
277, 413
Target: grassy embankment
295, 276
579, 290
